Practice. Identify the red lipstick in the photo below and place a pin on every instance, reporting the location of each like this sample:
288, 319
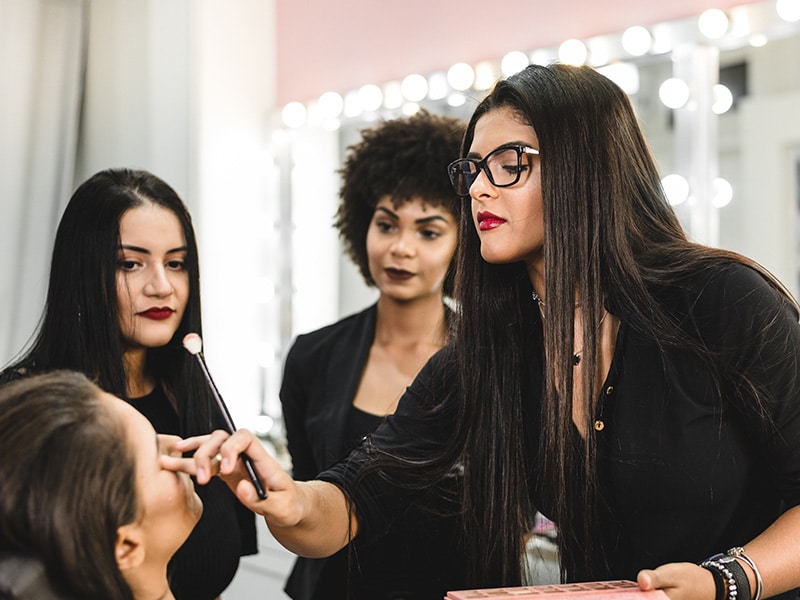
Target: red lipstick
487, 221
157, 313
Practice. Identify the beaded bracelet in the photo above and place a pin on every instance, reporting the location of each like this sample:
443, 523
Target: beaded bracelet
742, 583
719, 581
738, 552
732, 590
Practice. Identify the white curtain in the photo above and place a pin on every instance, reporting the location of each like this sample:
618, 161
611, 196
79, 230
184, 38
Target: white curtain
42, 57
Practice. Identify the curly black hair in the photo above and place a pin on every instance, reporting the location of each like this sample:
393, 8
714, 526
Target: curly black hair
404, 158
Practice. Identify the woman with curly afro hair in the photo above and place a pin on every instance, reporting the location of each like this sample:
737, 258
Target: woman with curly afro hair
398, 221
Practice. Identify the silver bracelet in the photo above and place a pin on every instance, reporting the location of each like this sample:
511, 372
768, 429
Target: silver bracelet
738, 552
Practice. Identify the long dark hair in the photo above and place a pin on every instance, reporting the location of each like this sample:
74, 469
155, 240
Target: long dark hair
79, 329
68, 478
609, 233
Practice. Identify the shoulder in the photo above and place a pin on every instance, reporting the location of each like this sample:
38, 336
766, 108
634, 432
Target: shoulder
344, 332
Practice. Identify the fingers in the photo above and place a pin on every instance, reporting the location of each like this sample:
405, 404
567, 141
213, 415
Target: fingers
680, 581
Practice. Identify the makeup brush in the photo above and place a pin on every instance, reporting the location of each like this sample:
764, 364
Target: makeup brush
194, 345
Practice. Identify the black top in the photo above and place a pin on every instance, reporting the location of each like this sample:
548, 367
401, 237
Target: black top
206, 563
686, 468
416, 558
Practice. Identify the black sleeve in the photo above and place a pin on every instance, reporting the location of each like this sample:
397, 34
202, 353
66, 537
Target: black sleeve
418, 430
294, 406
759, 336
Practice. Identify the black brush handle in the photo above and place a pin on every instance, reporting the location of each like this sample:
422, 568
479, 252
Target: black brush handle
226, 415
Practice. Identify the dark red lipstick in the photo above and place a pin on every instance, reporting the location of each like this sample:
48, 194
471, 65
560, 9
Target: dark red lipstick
157, 313
487, 221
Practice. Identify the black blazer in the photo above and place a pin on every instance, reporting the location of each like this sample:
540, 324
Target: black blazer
415, 558
320, 380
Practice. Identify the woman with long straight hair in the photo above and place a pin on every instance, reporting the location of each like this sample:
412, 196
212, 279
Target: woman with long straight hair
638, 388
124, 290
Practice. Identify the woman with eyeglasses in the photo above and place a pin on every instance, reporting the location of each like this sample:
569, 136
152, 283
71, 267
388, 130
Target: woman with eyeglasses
639, 389
398, 220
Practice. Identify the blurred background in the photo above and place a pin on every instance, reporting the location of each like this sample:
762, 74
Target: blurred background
246, 107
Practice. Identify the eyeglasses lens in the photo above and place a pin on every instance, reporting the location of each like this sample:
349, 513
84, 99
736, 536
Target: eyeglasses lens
502, 166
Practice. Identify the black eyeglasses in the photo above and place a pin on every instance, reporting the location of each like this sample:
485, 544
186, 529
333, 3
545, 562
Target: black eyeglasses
503, 166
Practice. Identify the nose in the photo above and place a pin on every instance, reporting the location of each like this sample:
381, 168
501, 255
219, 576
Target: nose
404, 244
481, 186
158, 284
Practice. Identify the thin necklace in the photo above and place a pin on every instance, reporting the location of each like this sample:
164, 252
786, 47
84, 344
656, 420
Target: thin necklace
576, 357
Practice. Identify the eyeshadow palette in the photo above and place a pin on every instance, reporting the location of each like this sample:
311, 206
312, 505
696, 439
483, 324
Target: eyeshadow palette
604, 590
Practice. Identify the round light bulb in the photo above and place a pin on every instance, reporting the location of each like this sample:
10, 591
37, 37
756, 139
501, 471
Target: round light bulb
636, 40
676, 188
713, 23
294, 114
674, 93
722, 99
723, 193
460, 76
573, 52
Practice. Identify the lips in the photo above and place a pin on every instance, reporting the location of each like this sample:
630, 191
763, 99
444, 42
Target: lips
487, 221
157, 314
398, 274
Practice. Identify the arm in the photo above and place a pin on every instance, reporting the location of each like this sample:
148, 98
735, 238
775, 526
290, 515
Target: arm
774, 552
764, 341
307, 518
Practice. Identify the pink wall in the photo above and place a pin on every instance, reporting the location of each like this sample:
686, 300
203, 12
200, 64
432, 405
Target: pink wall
342, 44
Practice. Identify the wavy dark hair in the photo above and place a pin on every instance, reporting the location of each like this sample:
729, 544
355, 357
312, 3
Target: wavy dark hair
403, 158
68, 479
79, 329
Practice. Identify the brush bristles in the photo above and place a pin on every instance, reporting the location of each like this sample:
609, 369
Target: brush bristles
193, 343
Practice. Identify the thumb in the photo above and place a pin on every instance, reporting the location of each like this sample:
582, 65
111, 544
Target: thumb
647, 580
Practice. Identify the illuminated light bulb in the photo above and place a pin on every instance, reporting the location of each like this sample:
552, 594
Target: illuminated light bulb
722, 99
294, 114
788, 10
460, 76
636, 40
414, 87
540, 57
513, 62
437, 86
625, 75
331, 124
573, 52
456, 99
674, 93
263, 424
676, 188
370, 97
713, 23
598, 52
392, 95
758, 40
723, 193
410, 108
331, 105
485, 76
352, 105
